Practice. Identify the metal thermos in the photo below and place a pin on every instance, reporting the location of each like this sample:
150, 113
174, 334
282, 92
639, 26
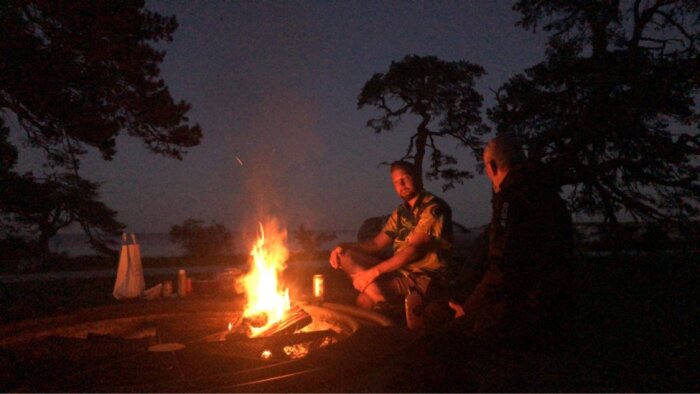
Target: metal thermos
181, 283
414, 310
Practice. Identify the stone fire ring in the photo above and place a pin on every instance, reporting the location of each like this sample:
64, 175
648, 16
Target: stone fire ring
180, 345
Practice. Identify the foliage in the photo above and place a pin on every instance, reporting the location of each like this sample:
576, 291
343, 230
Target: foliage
73, 77
612, 107
8, 160
199, 240
77, 74
45, 206
310, 241
441, 94
8, 152
16, 252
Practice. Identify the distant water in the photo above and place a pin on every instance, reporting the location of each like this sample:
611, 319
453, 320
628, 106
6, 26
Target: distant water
159, 245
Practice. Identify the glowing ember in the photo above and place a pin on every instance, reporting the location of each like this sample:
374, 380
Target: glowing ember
299, 350
266, 300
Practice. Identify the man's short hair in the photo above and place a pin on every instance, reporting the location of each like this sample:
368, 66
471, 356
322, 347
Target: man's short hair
407, 167
410, 169
506, 150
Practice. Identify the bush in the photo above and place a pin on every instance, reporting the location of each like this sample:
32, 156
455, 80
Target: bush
18, 254
199, 240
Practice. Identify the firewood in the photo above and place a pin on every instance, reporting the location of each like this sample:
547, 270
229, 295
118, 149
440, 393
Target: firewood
257, 320
294, 319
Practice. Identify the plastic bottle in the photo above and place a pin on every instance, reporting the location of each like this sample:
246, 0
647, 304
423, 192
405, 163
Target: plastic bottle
414, 310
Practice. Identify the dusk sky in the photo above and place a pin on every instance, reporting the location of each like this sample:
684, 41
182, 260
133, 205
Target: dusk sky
275, 85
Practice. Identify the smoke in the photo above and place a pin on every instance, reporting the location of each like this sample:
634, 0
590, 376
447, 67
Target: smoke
277, 163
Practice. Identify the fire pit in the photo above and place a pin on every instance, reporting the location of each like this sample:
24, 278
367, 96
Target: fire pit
185, 345
259, 341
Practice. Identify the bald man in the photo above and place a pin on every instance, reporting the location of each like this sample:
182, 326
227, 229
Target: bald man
525, 289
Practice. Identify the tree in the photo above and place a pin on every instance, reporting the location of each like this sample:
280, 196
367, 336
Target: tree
8, 152
441, 94
8, 177
612, 107
73, 77
45, 206
199, 240
77, 74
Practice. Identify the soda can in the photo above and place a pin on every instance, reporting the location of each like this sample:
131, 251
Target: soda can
318, 284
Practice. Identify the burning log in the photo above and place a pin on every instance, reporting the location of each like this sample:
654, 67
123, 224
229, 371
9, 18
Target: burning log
294, 319
257, 320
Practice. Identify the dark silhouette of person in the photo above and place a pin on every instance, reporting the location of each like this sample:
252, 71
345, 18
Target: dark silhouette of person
525, 289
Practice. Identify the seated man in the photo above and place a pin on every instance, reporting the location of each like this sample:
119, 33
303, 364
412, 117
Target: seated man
421, 232
525, 289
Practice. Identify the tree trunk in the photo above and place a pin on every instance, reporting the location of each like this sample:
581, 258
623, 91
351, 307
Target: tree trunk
421, 141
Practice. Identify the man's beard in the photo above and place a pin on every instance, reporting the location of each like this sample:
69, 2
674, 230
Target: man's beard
410, 196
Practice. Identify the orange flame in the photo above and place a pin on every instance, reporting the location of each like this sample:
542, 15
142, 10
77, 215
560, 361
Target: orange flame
263, 290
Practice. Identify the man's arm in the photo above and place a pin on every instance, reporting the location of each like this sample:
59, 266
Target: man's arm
503, 257
414, 249
430, 225
371, 247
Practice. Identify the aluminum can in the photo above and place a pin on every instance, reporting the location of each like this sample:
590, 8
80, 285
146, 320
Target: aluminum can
318, 284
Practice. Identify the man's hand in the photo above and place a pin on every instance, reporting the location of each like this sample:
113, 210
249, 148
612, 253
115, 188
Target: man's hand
459, 311
334, 259
362, 279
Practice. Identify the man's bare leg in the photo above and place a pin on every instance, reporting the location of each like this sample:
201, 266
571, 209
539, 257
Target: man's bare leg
352, 262
364, 301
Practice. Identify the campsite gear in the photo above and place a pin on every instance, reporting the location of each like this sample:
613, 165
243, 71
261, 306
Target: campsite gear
130, 282
167, 289
414, 310
181, 283
154, 292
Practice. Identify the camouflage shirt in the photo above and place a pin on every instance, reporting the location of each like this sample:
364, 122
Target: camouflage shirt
430, 215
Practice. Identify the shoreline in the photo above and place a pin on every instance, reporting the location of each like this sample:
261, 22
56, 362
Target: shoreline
147, 271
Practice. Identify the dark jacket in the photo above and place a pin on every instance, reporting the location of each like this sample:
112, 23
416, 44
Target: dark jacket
526, 285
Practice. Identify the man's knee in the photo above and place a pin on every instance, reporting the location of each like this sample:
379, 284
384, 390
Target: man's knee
363, 301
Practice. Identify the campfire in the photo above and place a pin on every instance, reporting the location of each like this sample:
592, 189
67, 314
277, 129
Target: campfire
268, 309
271, 343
